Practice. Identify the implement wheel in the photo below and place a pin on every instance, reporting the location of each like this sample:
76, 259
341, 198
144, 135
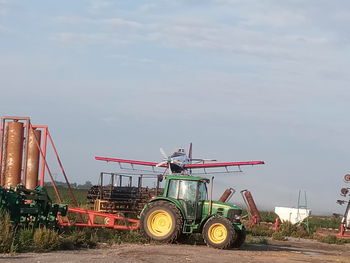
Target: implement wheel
241, 235
162, 221
218, 232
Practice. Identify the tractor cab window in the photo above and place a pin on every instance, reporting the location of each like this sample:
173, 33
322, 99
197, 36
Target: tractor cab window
187, 197
172, 190
202, 191
190, 194
188, 190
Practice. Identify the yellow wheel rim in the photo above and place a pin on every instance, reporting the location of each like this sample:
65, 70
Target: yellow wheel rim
217, 233
159, 223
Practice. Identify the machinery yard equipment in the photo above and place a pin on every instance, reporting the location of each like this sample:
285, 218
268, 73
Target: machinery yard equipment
122, 197
30, 208
184, 209
167, 215
23, 149
344, 229
345, 223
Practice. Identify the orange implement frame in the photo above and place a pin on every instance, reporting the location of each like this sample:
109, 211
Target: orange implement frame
109, 220
343, 233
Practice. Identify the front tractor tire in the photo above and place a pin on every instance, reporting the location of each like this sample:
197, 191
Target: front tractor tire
218, 232
162, 221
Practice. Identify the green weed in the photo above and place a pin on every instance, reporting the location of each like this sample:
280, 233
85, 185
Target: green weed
129, 237
261, 230
250, 239
25, 239
45, 240
7, 233
78, 239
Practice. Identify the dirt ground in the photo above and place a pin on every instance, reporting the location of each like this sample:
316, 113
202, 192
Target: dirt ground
294, 250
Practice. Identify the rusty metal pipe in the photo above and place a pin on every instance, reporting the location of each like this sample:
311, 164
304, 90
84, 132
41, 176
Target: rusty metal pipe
14, 153
252, 209
227, 195
2, 152
31, 178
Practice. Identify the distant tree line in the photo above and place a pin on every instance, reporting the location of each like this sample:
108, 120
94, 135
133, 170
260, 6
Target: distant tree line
86, 185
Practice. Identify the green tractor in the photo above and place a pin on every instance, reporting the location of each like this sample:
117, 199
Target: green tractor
184, 209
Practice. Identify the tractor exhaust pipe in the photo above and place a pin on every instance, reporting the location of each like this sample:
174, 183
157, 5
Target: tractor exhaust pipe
211, 195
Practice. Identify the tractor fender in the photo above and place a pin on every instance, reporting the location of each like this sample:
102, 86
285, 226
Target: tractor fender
174, 201
204, 220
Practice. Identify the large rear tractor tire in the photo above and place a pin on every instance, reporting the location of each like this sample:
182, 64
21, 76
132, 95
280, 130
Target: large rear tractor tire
241, 236
218, 232
162, 221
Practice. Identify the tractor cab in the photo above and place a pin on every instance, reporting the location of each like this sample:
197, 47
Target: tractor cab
190, 192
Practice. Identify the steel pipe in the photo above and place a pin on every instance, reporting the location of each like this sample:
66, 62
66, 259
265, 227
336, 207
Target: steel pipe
14, 154
31, 178
253, 210
227, 195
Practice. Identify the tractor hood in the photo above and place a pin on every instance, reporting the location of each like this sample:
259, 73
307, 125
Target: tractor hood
230, 211
218, 205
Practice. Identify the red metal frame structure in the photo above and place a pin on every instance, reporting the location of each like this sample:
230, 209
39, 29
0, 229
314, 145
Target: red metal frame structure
43, 147
25, 152
110, 220
129, 224
343, 233
43, 150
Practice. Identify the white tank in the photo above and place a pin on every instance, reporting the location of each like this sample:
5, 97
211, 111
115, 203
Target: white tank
293, 215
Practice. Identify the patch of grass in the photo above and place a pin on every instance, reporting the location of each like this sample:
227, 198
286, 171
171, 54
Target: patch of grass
261, 230
129, 237
268, 216
78, 239
25, 239
316, 222
332, 240
80, 195
89, 237
279, 236
287, 229
250, 239
7, 233
45, 240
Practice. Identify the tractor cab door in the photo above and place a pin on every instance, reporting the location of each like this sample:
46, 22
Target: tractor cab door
191, 195
202, 195
188, 197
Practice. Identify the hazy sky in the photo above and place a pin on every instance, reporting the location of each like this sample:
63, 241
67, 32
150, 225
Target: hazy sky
241, 79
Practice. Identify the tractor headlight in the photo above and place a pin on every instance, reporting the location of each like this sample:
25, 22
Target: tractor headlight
234, 215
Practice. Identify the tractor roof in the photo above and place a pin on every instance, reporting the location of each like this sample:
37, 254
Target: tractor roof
186, 177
